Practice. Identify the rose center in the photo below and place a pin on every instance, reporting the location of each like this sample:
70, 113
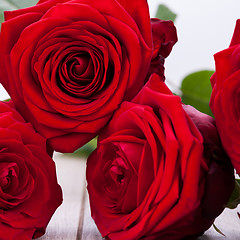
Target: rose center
6, 176
4, 182
117, 174
80, 68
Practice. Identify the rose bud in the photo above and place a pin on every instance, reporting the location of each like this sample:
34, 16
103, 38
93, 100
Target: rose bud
29, 192
149, 176
68, 64
164, 37
220, 174
225, 98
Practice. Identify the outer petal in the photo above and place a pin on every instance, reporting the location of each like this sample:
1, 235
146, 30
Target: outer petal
236, 34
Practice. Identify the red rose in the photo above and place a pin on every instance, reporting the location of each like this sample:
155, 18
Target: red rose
164, 37
150, 177
29, 192
225, 97
220, 180
68, 64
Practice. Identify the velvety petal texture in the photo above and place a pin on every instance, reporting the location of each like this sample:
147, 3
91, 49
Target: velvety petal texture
225, 97
150, 174
29, 192
68, 64
164, 36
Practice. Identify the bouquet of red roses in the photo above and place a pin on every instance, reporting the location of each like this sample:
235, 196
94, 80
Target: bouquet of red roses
77, 69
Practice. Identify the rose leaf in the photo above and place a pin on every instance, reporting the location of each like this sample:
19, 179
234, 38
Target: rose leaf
164, 13
196, 90
235, 197
218, 230
85, 150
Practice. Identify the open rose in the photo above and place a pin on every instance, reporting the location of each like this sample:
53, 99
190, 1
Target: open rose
151, 176
29, 192
68, 64
225, 97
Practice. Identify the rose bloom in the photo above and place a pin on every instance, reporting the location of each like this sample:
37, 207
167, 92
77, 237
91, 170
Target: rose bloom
225, 97
68, 64
164, 36
29, 192
157, 170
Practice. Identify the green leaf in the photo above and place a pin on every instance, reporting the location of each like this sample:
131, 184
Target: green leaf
164, 13
218, 230
85, 150
196, 90
234, 200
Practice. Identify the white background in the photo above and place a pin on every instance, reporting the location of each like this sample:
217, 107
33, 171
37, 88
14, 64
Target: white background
204, 28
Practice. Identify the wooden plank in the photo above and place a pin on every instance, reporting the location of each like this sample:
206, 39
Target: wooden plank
229, 224
64, 224
90, 231
87, 228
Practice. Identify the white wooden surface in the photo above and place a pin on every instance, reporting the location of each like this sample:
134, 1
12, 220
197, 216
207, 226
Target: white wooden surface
72, 220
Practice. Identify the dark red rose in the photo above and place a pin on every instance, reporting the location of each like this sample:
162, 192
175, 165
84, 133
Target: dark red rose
220, 181
164, 37
29, 192
68, 64
225, 97
150, 177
